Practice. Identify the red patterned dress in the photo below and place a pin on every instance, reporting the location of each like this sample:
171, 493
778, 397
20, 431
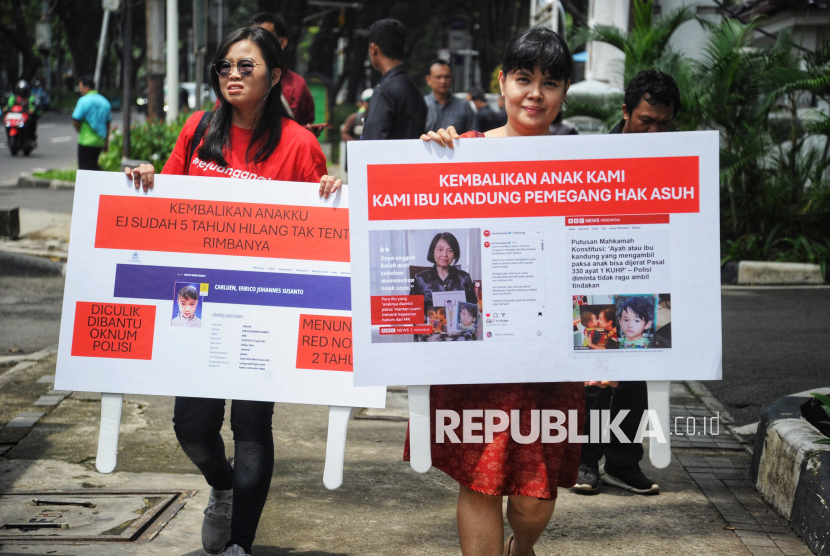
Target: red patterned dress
506, 467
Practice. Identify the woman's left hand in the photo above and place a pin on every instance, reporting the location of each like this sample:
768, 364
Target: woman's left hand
329, 185
602, 383
443, 136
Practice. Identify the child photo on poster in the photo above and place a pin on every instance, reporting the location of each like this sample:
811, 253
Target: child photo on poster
187, 307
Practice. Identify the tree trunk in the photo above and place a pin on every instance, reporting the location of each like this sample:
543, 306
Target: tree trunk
155, 59
22, 41
82, 23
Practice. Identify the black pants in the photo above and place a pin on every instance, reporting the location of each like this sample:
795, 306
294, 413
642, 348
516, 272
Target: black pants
631, 395
197, 422
88, 157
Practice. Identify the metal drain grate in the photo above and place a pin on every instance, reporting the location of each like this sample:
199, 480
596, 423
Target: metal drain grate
84, 516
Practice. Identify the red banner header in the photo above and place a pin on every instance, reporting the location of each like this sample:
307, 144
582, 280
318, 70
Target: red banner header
222, 228
537, 188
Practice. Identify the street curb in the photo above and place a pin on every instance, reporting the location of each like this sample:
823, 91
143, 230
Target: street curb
15, 264
27, 180
765, 272
791, 472
713, 404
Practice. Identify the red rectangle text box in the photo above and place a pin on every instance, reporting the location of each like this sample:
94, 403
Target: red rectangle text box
387, 330
325, 343
658, 185
622, 220
114, 330
222, 228
397, 309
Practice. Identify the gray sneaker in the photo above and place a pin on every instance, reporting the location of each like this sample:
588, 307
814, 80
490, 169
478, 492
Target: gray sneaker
236, 550
216, 527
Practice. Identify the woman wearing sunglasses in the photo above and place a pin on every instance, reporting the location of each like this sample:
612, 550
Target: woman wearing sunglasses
249, 136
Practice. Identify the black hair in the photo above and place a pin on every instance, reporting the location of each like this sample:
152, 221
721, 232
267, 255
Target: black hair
477, 93
440, 62
389, 35
609, 314
449, 238
280, 27
267, 129
641, 306
87, 81
188, 292
585, 318
471, 308
653, 86
538, 47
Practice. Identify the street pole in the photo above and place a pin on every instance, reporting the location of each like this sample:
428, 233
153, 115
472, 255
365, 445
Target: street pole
102, 46
200, 44
155, 58
127, 69
219, 35
172, 60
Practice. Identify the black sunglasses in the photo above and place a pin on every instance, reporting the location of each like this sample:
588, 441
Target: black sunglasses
245, 67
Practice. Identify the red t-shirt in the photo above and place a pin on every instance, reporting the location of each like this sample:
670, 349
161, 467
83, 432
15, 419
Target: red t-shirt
298, 156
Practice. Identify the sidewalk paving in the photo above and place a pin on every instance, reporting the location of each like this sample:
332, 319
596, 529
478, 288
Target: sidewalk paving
42, 234
706, 505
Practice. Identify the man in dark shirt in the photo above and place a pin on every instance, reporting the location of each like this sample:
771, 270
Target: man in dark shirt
651, 101
397, 110
445, 109
487, 119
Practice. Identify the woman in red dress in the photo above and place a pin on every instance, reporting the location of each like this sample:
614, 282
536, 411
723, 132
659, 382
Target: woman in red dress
536, 67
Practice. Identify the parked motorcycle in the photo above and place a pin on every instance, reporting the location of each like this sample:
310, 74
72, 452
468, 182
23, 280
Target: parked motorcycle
19, 135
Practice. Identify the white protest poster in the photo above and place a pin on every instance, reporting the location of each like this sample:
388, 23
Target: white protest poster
209, 287
536, 259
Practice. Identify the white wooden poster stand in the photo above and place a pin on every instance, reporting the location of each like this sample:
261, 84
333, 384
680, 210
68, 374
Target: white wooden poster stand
335, 444
419, 432
420, 452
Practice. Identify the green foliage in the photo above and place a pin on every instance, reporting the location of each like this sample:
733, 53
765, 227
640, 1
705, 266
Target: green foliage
62, 100
66, 175
775, 197
153, 140
825, 405
494, 81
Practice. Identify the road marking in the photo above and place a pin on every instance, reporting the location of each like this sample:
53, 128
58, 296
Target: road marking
65, 139
49, 400
25, 420
47, 126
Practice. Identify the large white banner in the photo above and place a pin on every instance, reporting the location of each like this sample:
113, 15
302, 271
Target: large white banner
536, 259
209, 287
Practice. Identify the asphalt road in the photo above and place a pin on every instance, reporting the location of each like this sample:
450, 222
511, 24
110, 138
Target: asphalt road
30, 313
773, 345
56, 149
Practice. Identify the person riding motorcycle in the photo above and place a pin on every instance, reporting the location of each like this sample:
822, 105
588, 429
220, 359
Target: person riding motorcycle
40, 94
24, 98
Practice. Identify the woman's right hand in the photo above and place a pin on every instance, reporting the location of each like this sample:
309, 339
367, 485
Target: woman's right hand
443, 136
142, 176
